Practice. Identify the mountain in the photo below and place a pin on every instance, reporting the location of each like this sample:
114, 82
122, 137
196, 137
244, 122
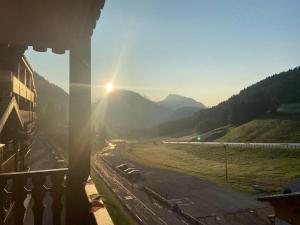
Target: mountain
174, 102
49, 92
123, 110
261, 98
183, 112
52, 103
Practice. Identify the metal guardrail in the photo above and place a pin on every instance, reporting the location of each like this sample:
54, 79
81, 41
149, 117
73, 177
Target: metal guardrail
240, 144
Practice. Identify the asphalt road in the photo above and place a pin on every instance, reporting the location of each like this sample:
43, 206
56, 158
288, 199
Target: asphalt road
206, 201
42, 157
145, 209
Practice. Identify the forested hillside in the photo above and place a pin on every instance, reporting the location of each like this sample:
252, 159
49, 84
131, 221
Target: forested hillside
52, 104
256, 100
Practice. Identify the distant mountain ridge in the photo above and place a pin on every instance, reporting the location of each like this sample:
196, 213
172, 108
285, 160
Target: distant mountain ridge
122, 111
183, 112
174, 102
252, 102
128, 112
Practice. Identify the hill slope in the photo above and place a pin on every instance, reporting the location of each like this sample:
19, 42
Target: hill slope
174, 102
122, 111
52, 103
184, 112
251, 103
254, 101
284, 127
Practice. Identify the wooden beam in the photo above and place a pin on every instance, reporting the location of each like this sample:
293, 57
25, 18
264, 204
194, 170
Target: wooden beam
22, 90
48, 23
79, 131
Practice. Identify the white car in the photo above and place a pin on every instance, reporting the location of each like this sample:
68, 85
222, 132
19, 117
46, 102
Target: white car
129, 169
123, 166
133, 172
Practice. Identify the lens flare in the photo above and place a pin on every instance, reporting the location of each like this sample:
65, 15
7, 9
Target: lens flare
109, 87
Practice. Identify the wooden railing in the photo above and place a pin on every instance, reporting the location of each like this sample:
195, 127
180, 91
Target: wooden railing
34, 187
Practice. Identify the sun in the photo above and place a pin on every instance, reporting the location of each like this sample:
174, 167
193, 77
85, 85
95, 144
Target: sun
109, 87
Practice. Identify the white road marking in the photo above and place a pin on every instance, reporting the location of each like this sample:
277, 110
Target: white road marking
182, 201
139, 218
161, 220
128, 197
184, 222
130, 193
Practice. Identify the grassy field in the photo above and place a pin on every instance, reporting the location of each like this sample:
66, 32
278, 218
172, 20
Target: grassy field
118, 214
270, 168
265, 130
289, 109
282, 127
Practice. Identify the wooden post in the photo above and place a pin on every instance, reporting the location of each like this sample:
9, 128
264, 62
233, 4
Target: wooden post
226, 169
79, 131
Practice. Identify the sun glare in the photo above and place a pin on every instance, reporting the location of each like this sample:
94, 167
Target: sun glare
109, 87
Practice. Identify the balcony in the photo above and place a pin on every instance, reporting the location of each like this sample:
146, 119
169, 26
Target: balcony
39, 197
18, 191
58, 25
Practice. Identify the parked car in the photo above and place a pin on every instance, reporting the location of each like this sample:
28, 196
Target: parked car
123, 166
129, 169
132, 172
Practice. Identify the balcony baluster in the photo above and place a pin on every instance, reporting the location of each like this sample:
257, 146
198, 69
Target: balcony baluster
20, 189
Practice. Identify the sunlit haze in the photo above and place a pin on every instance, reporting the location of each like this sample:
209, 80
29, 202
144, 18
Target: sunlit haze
207, 50
159, 112
109, 87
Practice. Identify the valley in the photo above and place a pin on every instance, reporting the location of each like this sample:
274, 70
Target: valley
141, 129
271, 169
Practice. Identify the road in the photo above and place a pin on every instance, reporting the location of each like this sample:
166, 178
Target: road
239, 144
42, 157
209, 203
145, 209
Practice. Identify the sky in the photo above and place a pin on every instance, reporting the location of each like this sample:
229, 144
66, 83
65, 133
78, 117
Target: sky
204, 49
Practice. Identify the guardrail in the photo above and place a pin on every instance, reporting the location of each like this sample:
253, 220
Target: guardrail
107, 184
240, 144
